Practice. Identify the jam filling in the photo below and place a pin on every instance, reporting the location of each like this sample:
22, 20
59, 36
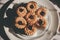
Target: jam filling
31, 17
42, 13
31, 6
21, 10
30, 27
20, 23
40, 22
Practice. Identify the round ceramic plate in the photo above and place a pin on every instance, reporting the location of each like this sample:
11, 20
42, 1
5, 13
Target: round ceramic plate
52, 19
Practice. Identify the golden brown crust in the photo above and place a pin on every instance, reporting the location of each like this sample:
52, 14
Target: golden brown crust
31, 18
21, 25
34, 18
32, 6
30, 32
21, 11
41, 23
41, 12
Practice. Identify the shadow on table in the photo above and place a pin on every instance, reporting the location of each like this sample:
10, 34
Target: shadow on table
9, 21
57, 2
11, 16
2, 11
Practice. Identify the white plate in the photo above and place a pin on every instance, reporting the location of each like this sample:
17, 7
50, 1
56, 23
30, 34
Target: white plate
53, 25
